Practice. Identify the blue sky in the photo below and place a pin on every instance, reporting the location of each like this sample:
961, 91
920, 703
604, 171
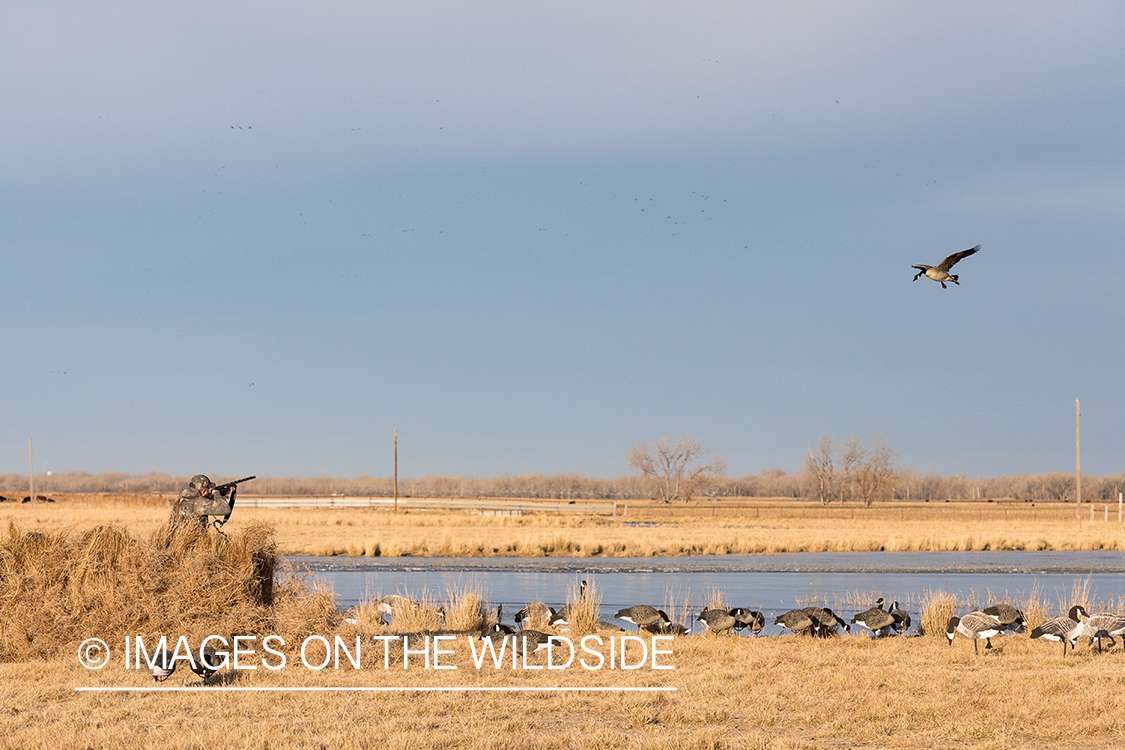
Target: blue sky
259, 237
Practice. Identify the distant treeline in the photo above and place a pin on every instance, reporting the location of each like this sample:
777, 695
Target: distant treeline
908, 485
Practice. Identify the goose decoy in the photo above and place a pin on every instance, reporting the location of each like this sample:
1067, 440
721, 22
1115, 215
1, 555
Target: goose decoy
876, 619
940, 272
568, 613
748, 619
602, 626
664, 626
796, 620
902, 618
1102, 625
1062, 628
391, 602
825, 621
716, 620
974, 626
498, 627
640, 615
1010, 617
532, 640
163, 665
534, 612
206, 662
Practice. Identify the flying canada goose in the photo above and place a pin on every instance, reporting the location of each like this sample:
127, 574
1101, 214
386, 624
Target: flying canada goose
940, 272
534, 612
1010, 617
974, 626
748, 619
570, 611
640, 615
716, 620
1062, 628
876, 619
797, 620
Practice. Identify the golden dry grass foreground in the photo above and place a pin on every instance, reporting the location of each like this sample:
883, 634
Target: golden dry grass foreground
786, 693
700, 527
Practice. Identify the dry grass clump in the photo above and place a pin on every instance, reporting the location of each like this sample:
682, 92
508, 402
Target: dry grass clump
582, 607
464, 608
107, 582
937, 608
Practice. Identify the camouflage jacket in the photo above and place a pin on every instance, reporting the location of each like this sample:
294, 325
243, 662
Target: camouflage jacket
193, 506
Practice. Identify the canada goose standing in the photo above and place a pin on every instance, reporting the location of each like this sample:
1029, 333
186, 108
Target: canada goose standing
1010, 617
1062, 628
902, 618
716, 620
1102, 625
163, 665
664, 626
876, 619
206, 662
748, 619
974, 626
940, 272
825, 621
640, 615
534, 612
796, 620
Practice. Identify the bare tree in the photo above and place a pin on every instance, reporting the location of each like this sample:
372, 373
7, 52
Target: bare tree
675, 471
876, 471
820, 470
851, 459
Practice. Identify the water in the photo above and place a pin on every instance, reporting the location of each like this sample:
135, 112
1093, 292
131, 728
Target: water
772, 584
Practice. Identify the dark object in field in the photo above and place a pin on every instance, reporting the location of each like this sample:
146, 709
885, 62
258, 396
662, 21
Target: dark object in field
940, 272
663, 626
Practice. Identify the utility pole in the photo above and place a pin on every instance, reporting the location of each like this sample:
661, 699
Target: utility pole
396, 470
30, 472
1078, 456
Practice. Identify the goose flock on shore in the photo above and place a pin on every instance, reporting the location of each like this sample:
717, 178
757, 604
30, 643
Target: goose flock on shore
820, 622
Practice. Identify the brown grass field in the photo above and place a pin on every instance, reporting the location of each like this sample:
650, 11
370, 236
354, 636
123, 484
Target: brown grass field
63, 579
698, 528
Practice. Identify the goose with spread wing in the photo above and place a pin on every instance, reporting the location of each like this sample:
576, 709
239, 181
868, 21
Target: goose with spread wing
940, 273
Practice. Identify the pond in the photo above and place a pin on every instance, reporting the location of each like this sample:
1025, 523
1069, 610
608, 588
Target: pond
772, 584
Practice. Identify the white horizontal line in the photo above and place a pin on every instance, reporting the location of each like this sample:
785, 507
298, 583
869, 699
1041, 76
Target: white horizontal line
162, 689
